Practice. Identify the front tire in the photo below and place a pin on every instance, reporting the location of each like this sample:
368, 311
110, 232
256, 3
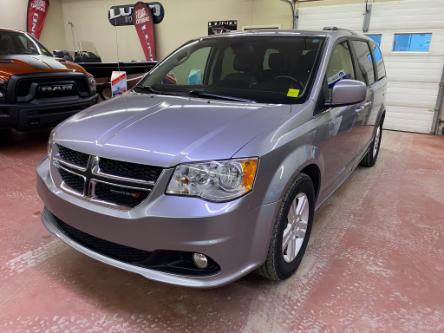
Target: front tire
291, 231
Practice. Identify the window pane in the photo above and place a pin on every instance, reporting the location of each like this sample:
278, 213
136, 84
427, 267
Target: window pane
365, 61
340, 66
412, 42
376, 38
377, 55
190, 70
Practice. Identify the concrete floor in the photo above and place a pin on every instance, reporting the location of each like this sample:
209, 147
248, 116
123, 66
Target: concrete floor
375, 262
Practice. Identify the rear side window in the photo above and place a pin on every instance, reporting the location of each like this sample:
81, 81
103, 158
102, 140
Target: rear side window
365, 61
379, 63
340, 66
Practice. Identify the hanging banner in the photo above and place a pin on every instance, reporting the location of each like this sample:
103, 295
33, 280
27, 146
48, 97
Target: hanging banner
123, 14
143, 21
37, 11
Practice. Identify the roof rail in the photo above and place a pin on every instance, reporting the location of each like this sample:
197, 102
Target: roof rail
337, 29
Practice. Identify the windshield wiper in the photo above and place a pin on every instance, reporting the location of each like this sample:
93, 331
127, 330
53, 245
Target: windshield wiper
204, 94
147, 89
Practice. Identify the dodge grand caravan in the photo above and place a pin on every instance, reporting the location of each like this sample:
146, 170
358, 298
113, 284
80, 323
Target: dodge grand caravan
213, 166
36, 89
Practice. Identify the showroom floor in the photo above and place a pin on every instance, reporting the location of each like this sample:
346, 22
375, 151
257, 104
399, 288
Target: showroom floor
375, 262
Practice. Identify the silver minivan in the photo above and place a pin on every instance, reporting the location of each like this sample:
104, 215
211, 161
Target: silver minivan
213, 166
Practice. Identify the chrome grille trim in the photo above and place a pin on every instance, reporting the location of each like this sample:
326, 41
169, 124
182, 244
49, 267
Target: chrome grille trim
92, 175
96, 171
66, 187
58, 159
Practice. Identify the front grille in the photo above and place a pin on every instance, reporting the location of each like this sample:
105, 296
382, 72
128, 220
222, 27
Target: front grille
50, 87
129, 170
73, 181
166, 261
73, 157
113, 182
119, 195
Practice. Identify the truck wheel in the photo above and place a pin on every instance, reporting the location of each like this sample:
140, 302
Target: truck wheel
370, 158
291, 231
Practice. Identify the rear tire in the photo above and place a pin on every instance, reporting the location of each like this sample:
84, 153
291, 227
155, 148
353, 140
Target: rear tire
292, 227
370, 158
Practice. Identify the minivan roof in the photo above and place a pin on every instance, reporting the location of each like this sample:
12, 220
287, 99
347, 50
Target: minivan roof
329, 31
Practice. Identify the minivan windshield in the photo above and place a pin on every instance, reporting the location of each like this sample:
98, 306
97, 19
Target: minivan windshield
12, 42
265, 69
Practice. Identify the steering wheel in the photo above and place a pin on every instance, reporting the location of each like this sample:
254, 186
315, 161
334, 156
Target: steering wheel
290, 78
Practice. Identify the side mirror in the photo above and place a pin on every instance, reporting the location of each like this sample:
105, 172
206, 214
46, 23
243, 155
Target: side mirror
347, 92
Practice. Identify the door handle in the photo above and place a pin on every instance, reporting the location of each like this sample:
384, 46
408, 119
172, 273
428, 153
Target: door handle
363, 107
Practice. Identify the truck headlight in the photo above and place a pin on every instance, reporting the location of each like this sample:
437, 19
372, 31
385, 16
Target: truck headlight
214, 181
92, 85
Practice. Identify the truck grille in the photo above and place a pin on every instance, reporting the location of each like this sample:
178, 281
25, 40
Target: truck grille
29, 88
116, 183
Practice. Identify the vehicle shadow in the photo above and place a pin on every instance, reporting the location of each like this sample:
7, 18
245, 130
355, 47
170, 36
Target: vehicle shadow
23, 142
141, 303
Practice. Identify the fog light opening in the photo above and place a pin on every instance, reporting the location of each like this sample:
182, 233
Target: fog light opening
200, 260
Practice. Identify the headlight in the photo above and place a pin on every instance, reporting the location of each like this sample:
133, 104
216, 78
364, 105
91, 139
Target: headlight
92, 85
214, 181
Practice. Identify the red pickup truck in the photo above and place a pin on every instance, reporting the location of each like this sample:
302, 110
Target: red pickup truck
37, 89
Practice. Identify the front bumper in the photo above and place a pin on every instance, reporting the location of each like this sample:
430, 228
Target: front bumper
41, 114
235, 234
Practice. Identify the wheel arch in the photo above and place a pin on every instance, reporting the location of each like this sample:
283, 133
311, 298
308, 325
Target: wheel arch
305, 159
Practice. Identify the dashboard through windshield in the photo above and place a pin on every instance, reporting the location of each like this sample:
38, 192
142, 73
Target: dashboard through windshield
263, 69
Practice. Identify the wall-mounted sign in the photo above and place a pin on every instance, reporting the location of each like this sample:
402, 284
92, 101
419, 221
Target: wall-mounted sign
219, 27
123, 14
37, 11
143, 21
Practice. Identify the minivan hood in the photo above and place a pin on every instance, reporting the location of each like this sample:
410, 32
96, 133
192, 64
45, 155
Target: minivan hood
167, 130
28, 64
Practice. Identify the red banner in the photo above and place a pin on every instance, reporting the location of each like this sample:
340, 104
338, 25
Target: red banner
37, 11
143, 21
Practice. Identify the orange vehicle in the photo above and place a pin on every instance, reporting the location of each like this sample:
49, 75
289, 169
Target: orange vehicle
37, 89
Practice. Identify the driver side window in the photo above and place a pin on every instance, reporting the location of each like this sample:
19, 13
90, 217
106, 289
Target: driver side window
340, 66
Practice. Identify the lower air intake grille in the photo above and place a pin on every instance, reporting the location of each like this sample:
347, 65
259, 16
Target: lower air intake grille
174, 262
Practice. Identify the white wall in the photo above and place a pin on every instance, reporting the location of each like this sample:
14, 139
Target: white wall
13, 16
183, 20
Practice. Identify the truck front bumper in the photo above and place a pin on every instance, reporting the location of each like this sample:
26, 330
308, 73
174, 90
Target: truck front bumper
24, 116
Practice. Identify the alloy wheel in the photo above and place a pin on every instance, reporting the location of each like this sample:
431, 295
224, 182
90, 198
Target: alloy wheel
296, 229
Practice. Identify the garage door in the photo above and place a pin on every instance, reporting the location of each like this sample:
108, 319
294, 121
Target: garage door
414, 66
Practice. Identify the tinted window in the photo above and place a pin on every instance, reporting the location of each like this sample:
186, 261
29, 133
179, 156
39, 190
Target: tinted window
379, 63
376, 38
260, 68
19, 43
365, 61
412, 42
341, 65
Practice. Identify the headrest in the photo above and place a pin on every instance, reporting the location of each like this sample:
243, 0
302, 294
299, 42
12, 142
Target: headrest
243, 62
